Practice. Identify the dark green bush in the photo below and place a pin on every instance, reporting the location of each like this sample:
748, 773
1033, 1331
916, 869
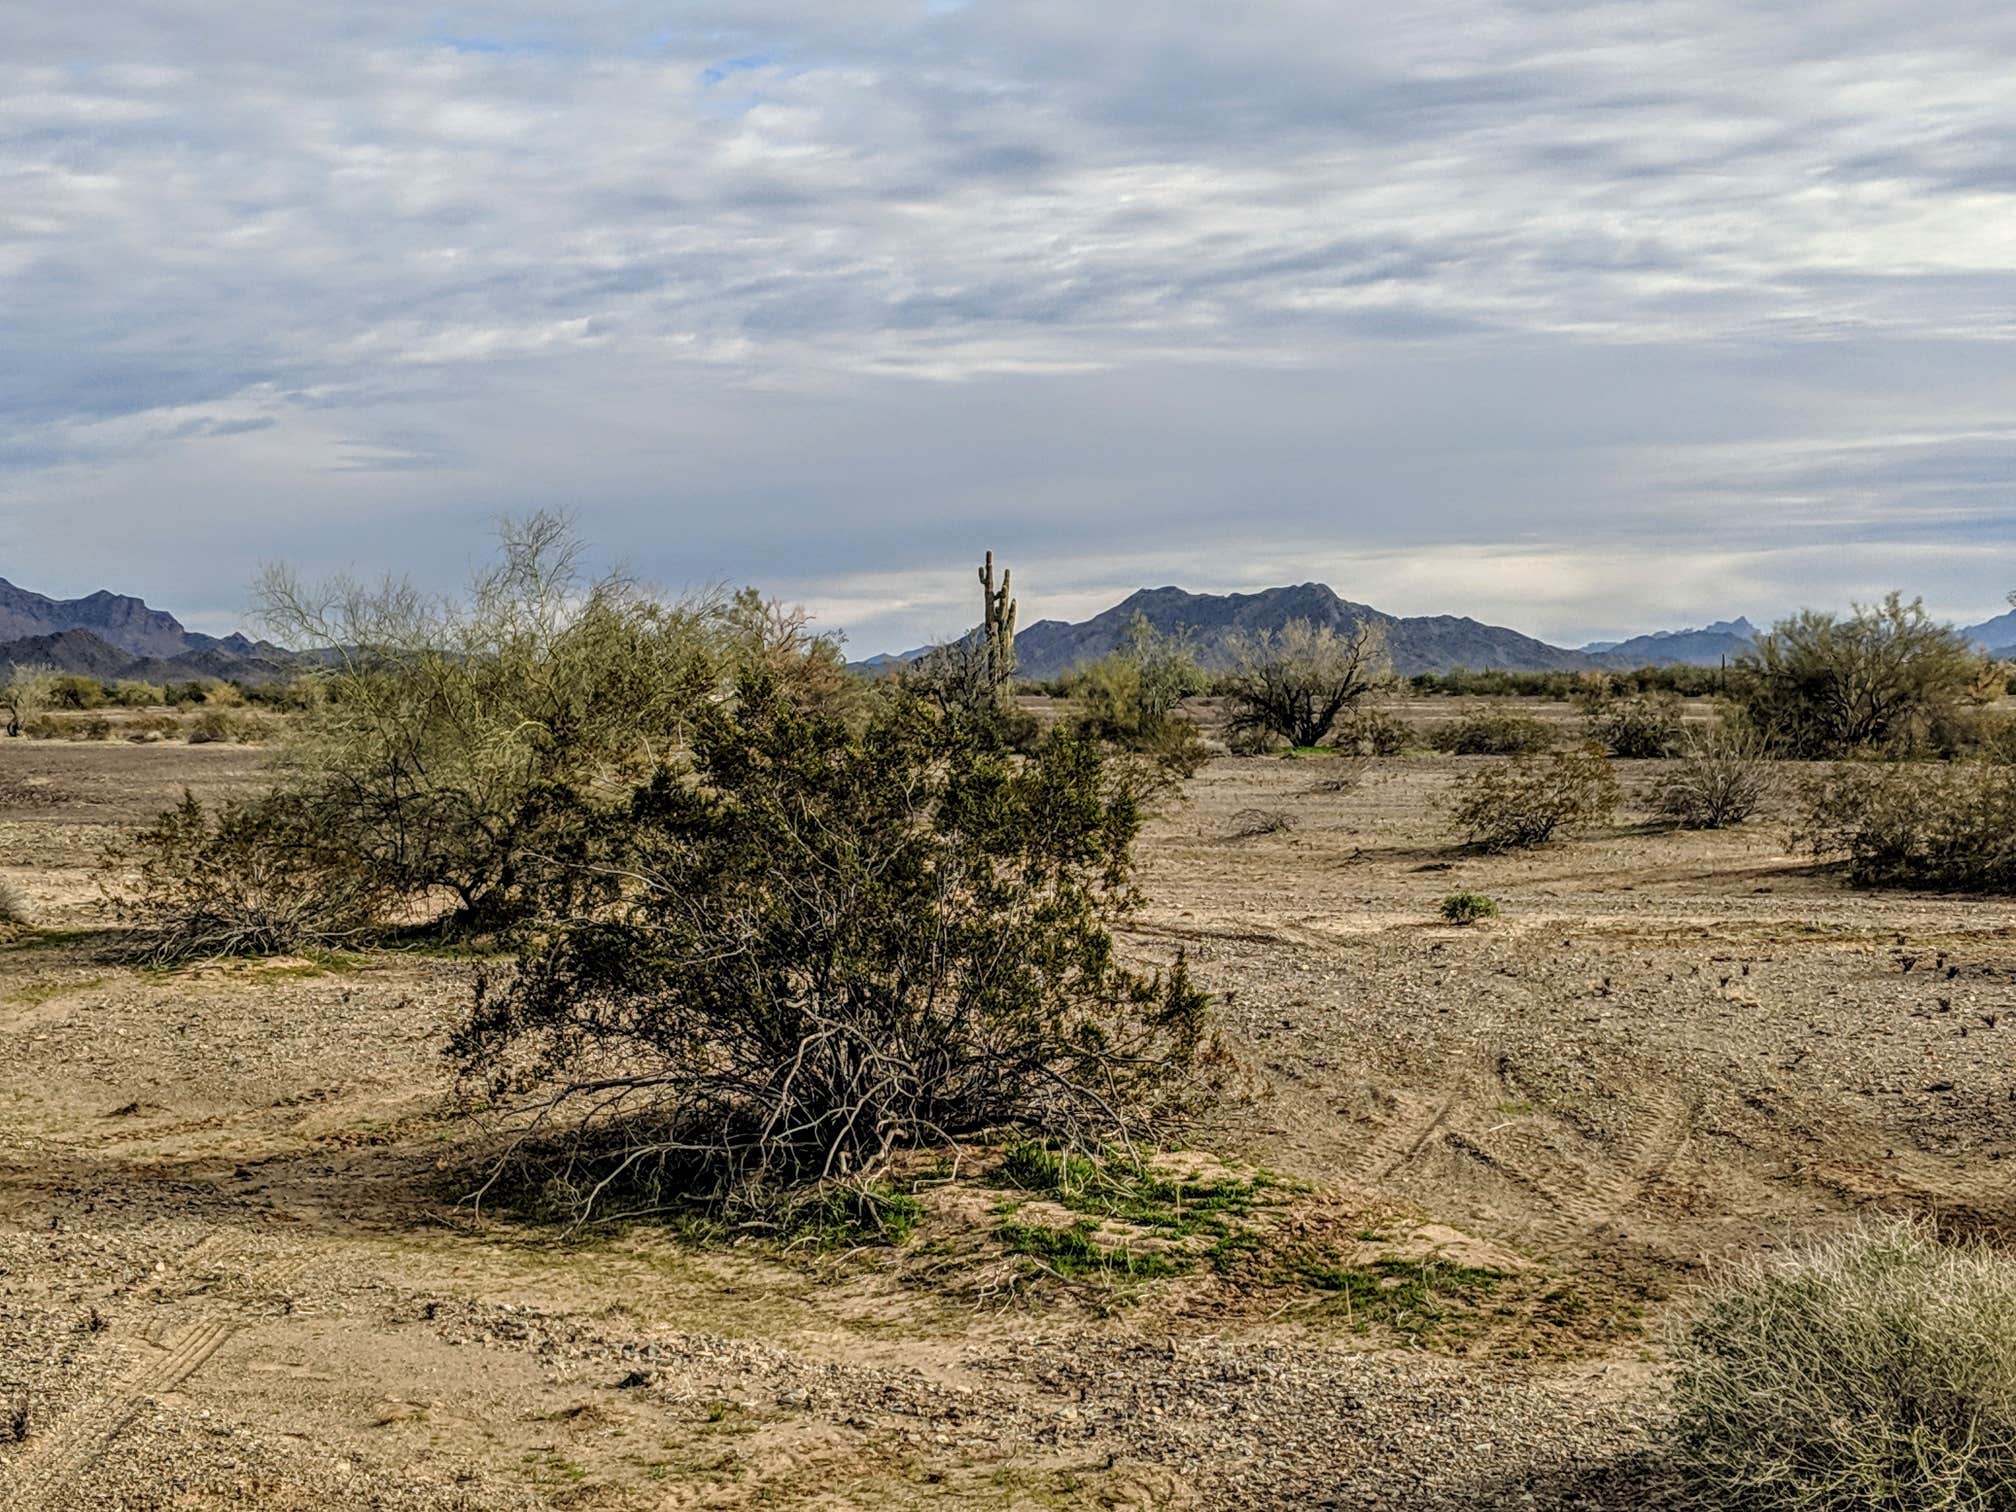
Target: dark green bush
807, 948
245, 878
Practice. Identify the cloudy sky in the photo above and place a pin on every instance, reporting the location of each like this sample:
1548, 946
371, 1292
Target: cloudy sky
1586, 318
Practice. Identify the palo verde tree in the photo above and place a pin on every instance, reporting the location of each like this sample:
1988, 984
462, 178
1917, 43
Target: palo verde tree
31, 689
1819, 685
803, 947
1296, 682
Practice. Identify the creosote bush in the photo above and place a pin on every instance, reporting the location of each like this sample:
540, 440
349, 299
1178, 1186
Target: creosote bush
1373, 732
1130, 699
1877, 1370
1528, 800
1492, 733
245, 878
1722, 777
1917, 824
802, 948
1638, 729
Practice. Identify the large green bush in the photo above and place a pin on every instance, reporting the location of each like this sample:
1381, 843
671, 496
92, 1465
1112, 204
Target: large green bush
803, 948
1917, 824
1877, 1371
1819, 685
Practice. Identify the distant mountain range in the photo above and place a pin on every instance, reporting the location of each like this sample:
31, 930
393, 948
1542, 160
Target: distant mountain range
113, 636
1420, 643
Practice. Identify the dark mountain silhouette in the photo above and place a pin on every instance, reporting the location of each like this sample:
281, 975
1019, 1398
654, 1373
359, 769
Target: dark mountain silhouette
1996, 636
1705, 647
114, 618
1426, 643
113, 635
89, 654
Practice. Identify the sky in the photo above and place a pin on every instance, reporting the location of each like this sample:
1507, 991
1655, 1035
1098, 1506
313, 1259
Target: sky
1583, 318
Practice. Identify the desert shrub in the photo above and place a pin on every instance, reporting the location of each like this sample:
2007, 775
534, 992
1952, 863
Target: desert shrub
1527, 800
1251, 740
1251, 823
30, 691
138, 695
1295, 683
77, 694
13, 903
68, 727
1468, 908
1722, 777
1959, 733
244, 878
152, 727
1821, 686
1373, 732
1130, 699
458, 734
217, 726
1916, 824
1877, 1370
1638, 729
805, 948
1494, 732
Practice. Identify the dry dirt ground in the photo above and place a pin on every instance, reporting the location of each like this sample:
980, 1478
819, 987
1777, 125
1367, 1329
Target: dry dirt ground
234, 1270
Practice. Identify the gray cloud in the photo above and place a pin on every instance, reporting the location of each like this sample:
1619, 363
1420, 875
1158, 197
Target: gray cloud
1582, 315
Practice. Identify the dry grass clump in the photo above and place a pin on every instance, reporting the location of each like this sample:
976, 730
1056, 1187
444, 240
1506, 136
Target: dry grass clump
1875, 1371
1917, 824
1722, 778
13, 904
1528, 800
1251, 823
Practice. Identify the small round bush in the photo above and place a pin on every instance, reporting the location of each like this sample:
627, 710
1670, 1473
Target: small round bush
1468, 908
1875, 1371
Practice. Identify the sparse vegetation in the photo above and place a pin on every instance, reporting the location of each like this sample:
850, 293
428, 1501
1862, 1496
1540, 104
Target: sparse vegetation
1251, 823
13, 903
1722, 777
1874, 1370
1294, 685
1494, 732
1915, 824
1468, 908
1528, 800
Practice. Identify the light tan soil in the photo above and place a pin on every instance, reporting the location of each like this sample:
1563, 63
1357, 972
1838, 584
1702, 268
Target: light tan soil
234, 1270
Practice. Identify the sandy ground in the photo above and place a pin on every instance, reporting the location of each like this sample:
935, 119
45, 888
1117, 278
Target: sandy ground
234, 1271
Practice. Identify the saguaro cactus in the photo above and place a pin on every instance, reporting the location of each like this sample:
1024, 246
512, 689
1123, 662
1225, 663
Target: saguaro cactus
999, 627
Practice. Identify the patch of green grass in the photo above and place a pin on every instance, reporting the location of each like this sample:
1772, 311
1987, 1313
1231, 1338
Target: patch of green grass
1294, 752
1413, 1297
1075, 1252
1112, 1193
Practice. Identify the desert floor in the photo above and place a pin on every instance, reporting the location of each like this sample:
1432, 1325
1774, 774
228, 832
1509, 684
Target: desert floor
236, 1268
